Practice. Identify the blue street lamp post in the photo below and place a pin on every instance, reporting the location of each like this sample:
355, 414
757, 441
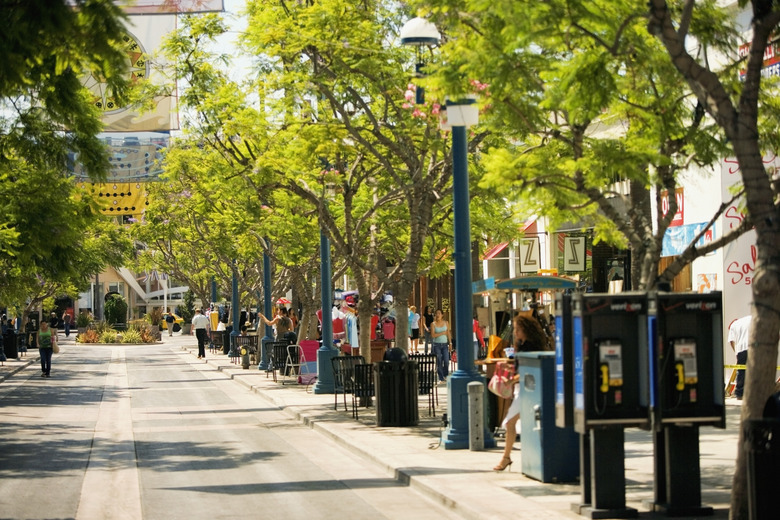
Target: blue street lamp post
236, 314
460, 115
267, 309
325, 382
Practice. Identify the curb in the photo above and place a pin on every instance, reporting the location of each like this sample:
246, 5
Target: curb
30, 361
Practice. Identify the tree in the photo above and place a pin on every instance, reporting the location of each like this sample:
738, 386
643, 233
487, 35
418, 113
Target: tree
49, 238
588, 119
349, 128
739, 113
187, 308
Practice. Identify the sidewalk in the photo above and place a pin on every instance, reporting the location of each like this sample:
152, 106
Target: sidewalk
12, 366
463, 480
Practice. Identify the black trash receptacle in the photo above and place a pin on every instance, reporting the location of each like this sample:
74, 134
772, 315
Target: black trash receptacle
9, 345
762, 443
395, 385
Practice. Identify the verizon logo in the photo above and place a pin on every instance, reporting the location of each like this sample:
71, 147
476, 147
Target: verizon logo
625, 306
704, 306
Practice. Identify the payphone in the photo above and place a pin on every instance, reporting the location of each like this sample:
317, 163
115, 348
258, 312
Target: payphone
686, 392
610, 374
686, 358
609, 333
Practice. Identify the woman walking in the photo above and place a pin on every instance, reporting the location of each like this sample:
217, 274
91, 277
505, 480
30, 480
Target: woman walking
440, 330
46, 342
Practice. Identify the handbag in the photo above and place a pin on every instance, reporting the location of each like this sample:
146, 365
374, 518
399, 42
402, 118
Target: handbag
501, 383
55, 348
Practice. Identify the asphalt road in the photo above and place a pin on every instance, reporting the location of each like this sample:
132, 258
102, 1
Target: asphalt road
133, 432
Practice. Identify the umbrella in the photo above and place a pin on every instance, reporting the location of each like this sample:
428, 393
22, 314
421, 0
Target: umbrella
283, 301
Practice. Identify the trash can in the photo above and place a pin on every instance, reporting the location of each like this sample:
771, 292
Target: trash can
395, 385
762, 443
10, 346
550, 454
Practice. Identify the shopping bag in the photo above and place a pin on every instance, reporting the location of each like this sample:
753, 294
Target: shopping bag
502, 383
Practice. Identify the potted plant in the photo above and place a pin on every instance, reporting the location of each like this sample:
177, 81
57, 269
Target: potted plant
187, 311
82, 322
154, 317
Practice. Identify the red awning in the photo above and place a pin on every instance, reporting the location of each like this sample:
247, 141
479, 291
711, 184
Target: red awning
493, 251
528, 226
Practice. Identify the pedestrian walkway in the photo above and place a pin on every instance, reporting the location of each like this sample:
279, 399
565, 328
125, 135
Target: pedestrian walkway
461, 480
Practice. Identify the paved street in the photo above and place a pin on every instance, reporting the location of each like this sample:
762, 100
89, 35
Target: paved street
137, 432
154, 432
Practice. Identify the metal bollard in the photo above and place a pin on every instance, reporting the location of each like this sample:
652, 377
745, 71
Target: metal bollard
476, 391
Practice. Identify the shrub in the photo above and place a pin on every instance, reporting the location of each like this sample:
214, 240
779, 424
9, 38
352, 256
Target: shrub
132, 335
115, 309
147, 336
108, 336
138, 324
83, 320
90, 336
102, 327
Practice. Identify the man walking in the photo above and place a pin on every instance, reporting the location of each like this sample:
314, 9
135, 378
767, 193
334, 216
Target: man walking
200, 323
738, 339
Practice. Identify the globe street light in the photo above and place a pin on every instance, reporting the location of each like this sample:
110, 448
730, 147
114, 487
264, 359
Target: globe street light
419, 33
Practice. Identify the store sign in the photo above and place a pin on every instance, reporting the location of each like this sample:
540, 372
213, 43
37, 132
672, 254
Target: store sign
771, 66
574, 254
677, 239
530, 256
679, 197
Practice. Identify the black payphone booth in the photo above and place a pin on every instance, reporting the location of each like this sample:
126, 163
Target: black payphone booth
610, 385
686, 392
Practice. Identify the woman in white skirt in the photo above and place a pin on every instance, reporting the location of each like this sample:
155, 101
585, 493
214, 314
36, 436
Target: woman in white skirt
529, 337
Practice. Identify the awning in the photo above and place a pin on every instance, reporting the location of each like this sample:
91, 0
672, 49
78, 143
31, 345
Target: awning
481, 286
497, 248
493, 251
537, 282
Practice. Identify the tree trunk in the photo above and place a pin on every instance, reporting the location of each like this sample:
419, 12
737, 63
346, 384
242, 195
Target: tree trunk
762, 351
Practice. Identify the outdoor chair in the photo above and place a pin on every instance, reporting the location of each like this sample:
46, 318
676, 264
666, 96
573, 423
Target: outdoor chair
295, 363
344, 376
217, 340
427, 379
278, 361
363, 387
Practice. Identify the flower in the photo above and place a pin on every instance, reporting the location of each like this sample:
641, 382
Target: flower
435, 109
409, 95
